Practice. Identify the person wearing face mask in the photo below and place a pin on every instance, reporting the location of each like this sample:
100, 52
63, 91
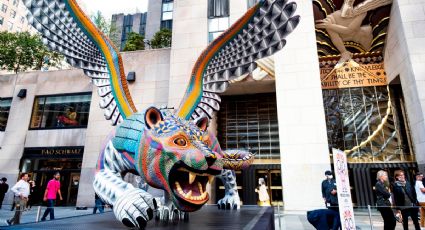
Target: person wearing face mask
328, 183
405, 200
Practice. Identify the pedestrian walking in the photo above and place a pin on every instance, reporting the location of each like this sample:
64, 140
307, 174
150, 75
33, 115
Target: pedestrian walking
98, 204
31, 196
53, 188
405, 200
4, 187
383, 203
327, 183
420, 193
21, 191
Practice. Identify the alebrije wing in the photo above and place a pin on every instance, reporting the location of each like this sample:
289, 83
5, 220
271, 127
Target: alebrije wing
65, 28
259, 33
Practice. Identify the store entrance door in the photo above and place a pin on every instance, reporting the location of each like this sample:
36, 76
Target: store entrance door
273, 180
69, 187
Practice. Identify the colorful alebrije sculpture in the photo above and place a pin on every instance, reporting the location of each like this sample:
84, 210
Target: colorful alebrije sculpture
170, 151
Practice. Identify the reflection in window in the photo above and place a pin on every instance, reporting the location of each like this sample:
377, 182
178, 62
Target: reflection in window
352, 116
218, 8
5, 104
250, 122
61, 111
167, 14
217, 26
4, 8
218, 18
251, 3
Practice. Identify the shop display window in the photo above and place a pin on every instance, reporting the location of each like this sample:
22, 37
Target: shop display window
5, 104
61, 111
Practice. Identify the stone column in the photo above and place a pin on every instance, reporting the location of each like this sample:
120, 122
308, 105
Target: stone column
153, 19
13, 143
405, 57
190, 37
302, 127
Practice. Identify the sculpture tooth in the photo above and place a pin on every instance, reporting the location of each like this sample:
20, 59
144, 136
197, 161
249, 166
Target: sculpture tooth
200, 187
210, 179
192, 177
188, 195
204, 195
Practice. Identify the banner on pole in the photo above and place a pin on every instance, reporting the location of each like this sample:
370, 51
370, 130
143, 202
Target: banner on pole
346, 211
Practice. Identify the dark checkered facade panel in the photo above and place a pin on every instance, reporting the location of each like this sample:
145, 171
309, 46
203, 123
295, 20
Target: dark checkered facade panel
61, 33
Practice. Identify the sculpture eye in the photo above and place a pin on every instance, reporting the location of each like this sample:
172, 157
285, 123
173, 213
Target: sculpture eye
180, 142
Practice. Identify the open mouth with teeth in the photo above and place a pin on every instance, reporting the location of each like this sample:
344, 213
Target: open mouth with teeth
190, 187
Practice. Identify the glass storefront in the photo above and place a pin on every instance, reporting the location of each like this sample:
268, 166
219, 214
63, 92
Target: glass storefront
61, 111
5, 104
42, 163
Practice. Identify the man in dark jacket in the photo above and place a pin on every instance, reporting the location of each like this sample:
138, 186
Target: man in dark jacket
327, 183
3, 189
331, 198
405, 200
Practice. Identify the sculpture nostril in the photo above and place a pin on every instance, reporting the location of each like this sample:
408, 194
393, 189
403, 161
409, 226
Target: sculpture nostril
210, 159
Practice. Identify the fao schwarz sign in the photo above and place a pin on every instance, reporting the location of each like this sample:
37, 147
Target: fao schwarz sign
55, 152
352, 75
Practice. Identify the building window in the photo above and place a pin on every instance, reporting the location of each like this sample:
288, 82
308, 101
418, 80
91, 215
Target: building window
10, 26
127, 28
1, 20
218, 18
15, 2
251, 3
167, 14
218, 8
64, 111
5, 104
12, 13
217, 26
250, 122
4, 8
142, 27
22, 20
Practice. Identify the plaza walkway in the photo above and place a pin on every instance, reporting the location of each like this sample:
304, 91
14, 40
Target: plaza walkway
288, 221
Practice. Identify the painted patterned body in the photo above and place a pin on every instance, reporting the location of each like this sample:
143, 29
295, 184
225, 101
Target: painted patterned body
164, 149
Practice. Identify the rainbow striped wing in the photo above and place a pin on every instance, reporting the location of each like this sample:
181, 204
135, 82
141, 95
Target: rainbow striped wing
66, 29
259, 33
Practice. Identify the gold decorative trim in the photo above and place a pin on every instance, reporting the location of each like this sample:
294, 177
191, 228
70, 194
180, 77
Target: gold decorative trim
379, 23
328, 45
377, 131
321, 7
379, 36
376, 45
331, 4
354, 45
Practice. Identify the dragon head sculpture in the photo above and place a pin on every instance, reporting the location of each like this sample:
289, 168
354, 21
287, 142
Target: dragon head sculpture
181, 157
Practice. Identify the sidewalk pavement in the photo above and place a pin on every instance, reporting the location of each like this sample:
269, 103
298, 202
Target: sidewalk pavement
298, 221
31, 215
288, 221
